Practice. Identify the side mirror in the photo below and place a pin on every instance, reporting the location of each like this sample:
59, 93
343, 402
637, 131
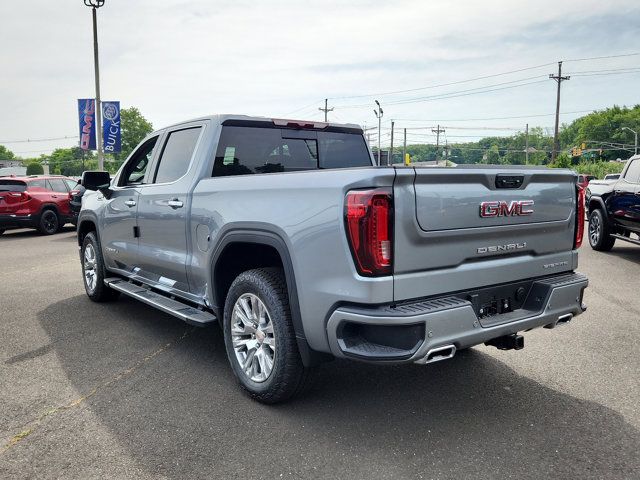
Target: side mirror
96, 181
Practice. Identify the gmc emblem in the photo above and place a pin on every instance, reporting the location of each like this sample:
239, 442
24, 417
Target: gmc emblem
504, 209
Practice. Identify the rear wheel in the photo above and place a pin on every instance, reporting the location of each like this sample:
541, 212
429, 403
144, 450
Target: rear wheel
1, 231
49, 222
93, 271
260, 339
599, 235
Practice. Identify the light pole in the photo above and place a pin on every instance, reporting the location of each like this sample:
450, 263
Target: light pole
379, 112
635, 133
96, 4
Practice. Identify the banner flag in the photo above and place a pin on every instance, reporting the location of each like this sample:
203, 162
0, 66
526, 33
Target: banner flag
87, 117
111, 128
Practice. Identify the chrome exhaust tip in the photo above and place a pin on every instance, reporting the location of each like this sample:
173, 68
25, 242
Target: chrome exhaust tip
439, 353
564, 319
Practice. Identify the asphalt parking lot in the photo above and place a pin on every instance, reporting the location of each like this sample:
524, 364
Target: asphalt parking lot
123, 391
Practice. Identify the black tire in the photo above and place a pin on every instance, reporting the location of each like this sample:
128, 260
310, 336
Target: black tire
97, 291
49, 222
288, 376
2, 231
599, 233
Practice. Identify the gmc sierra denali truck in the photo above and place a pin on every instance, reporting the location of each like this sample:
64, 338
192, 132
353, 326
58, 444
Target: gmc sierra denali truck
289, 235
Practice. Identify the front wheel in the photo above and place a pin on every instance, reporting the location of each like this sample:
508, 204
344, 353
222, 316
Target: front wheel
93, 271
599, 236
2, 231
260, 339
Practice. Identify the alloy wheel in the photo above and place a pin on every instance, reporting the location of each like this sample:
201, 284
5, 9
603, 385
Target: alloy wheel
595, 229
89, 264
252, 336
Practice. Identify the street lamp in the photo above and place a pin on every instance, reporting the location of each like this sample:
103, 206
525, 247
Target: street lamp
379, 114
635, 133
96, 4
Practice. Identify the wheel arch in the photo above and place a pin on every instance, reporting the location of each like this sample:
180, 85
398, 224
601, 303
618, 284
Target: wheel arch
269, 249
598, 203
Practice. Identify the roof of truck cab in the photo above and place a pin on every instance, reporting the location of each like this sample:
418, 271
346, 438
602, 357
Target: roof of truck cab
220, 118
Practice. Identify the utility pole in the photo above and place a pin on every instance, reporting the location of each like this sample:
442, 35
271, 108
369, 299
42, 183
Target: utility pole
437, 131
635, 133
390, 156
95, 5
379, 113
325, 109
526, 144
556, 140
404, 147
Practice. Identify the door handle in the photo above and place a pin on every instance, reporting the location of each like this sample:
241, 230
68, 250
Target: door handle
54, 196
175, 203
130, 203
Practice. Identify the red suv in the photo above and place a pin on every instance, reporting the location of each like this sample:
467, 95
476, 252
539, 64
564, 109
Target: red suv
40, 202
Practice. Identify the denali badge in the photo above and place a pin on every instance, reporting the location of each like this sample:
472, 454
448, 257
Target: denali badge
504, 209
502, 248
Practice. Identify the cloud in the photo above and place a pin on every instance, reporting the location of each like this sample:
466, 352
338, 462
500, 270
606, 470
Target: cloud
179, 59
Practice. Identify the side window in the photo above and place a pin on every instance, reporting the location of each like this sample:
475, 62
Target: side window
38, 184
633, 172
136, 168
57, 185
176, 154
71, 184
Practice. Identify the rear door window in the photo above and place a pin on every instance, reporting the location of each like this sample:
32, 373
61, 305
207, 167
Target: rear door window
248, 150
176, 154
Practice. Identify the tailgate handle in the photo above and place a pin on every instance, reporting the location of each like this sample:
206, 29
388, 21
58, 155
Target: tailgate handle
509, 181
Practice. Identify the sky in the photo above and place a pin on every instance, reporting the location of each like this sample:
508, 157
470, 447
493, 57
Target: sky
176, 60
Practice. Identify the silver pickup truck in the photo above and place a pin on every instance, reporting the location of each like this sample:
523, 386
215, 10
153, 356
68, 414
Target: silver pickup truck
302, 249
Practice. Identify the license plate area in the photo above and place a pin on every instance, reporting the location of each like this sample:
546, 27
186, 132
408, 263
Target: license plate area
493, 304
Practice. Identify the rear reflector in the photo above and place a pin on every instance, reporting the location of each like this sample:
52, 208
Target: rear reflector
369, 223
580, 213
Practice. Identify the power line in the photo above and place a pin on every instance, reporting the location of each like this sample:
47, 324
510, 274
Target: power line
301, 108
473, 91
491, 118
602, 57
443, 84
28, 140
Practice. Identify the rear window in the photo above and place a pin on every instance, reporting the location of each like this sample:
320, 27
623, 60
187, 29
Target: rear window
12, 186
247, 150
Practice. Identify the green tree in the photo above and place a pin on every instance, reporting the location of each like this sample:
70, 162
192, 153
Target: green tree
35, 168
134, 128
71, 161
6, 154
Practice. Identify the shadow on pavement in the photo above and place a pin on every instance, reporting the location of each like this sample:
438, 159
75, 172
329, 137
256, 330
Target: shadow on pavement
624, 250
28, 232
181, 414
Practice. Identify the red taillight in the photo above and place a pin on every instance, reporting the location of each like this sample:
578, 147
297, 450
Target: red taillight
369, 225
580, 212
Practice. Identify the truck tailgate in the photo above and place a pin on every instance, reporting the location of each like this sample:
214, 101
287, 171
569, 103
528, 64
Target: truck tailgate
460, 228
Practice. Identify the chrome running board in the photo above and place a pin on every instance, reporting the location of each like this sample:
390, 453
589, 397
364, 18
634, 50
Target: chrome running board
168, 305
